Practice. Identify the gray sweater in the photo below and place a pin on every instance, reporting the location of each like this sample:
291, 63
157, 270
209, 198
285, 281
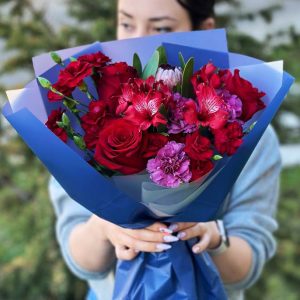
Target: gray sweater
248, 212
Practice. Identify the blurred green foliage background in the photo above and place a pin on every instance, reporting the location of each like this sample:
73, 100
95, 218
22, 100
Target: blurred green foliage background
30, 263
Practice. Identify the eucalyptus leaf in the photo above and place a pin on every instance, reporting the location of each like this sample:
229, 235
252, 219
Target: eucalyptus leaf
162, 55
152, 66
186, 86
137, 64
181, 59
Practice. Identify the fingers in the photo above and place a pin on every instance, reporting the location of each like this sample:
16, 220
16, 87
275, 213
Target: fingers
203, 244
159, 227
125, 253
176, 227
143, 246
197, 230
151, 236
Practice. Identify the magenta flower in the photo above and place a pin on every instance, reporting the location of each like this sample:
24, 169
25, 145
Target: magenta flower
170, 167
233, 106
177, 122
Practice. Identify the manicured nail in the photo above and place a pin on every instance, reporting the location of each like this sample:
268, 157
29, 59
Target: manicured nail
166, 230
163, 246
173, 227
181, 235
170, 238
196, 250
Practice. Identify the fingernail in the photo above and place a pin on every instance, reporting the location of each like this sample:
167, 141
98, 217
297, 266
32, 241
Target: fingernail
170, 238
181, 235
165, 230
163, 246
173, 227
136, 251
196, 250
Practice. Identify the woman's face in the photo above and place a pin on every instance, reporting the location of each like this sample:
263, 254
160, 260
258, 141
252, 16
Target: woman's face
138, 18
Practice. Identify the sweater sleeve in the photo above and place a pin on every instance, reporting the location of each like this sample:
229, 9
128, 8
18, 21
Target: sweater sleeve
69, 214
252, 206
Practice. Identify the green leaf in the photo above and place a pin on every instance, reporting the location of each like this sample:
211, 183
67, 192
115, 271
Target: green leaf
137, 64
79, 142
44, 82
186, 87
72, 59
65, 120
250, 127
181, 59
217, 157
56, 58
152, 66
162, 55
60, 124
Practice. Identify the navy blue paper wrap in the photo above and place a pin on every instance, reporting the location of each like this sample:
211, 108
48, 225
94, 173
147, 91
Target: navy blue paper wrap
177, 273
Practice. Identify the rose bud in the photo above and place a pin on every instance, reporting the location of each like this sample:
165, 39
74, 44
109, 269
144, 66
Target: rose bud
171, 76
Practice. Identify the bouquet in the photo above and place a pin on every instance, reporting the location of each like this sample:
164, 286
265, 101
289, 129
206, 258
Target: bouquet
153, 137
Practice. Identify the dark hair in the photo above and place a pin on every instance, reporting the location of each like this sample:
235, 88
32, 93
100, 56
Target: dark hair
199, 10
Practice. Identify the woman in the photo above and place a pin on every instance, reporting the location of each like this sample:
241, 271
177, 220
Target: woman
90, 245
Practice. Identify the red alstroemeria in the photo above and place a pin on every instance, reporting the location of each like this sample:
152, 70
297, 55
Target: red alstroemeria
249, 95
93, 121
208, 75
74, 74
229, 138
51, 123
210, 110
141, 100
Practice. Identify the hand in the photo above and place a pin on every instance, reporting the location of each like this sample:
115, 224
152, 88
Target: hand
208, 234
129, 242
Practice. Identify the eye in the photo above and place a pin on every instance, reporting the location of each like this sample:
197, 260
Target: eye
164, 29
127, 26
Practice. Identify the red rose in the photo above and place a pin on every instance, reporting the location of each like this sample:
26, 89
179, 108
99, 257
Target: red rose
73, 75
96, 60
229, 138
110, 79
119, 147
250, 96
153, 143
53, 118
65, 90
198, 147
200, 168
93, 121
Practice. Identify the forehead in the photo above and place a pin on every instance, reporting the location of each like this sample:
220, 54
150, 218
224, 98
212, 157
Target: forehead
147, 9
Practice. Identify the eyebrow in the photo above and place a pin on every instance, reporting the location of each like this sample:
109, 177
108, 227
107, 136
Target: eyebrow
154, 19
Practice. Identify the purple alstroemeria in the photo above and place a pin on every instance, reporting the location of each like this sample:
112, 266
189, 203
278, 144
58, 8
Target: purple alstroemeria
170, 167
234, 105
177, 123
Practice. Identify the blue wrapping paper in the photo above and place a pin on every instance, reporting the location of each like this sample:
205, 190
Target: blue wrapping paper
157, 275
